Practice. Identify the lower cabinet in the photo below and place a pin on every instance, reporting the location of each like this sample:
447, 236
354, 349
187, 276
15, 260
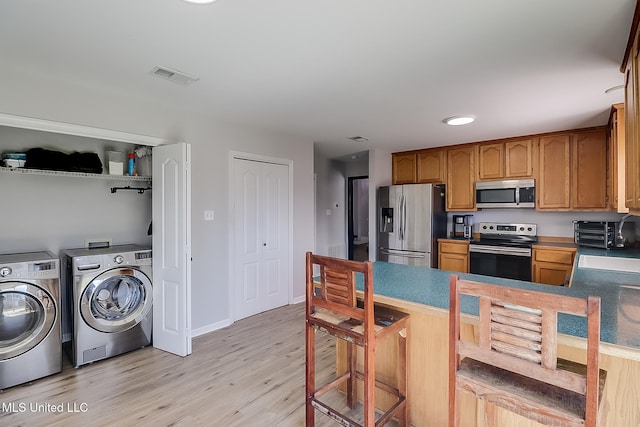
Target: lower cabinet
552, 266
453, 255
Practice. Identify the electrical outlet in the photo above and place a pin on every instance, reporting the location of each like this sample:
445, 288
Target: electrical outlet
208, 215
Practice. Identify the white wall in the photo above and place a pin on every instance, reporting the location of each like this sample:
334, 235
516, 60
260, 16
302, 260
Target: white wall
331, 235
25, 93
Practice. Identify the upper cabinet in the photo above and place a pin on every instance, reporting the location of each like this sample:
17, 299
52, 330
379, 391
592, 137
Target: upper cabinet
461, 176
519, 158
589, 170
572, 171
432, 165
630, 68
403, 170
616, 159
554, 181
506, 160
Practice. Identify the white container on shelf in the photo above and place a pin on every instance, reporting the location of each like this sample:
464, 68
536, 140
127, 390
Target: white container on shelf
115, 160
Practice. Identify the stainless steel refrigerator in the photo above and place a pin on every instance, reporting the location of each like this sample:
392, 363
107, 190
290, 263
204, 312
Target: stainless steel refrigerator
410, 220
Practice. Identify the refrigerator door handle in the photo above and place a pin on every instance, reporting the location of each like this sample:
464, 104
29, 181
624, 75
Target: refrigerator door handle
391, 252
403, 212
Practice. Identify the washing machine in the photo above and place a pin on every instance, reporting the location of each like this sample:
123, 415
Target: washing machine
108, 301
30, 338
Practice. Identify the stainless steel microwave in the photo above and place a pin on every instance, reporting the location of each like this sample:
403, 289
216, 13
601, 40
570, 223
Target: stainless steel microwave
513, 193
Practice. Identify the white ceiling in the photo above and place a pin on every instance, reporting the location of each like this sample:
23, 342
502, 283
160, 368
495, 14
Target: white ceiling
327, 70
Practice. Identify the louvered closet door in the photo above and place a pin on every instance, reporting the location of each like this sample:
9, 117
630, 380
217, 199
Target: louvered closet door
261, 236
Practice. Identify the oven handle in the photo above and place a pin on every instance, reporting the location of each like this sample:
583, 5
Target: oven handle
500, 250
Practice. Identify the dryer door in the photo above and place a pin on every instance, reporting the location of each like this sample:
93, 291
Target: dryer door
27, 314
116, 300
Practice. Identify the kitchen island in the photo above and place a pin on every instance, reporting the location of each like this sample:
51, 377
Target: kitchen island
424, 293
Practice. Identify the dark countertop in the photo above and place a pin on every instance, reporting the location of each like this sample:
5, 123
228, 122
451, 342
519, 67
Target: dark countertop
619, 293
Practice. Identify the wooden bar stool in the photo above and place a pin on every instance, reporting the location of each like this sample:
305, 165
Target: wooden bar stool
515, 364
332, 307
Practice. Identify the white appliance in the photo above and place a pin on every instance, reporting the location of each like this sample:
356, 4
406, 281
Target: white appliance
108, 301
30, 343
411, 218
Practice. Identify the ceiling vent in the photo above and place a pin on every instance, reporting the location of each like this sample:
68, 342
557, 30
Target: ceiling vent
359, 138
173, 75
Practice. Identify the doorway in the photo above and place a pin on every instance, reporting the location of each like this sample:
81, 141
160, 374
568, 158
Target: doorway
358, 217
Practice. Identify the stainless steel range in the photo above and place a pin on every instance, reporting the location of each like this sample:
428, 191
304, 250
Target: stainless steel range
503, 250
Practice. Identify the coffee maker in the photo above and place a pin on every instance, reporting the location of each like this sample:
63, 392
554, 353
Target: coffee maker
462, 226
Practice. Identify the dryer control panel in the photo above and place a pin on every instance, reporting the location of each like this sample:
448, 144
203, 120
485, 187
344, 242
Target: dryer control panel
30, 270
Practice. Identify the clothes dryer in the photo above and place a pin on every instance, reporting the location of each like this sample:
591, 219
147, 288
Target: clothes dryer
30, 342
108, 301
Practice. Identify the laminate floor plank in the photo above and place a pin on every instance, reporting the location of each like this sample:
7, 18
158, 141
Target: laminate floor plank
250, 374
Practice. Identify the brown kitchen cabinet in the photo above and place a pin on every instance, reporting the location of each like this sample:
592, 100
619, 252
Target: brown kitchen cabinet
431, 165
554, 179
572, 172
616, 159
491, 161
506, 160
589, 170
453, 255
461, 177
403, 168
630, 67
519, 158
552, 265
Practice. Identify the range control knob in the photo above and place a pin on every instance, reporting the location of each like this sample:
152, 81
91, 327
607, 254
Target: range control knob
484, 227
521, 228
529, 229
5, 271
119, 259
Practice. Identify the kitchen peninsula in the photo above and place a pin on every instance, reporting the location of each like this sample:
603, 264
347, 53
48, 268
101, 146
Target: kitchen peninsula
424, 293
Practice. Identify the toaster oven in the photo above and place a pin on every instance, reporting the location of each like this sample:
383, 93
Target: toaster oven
602, 234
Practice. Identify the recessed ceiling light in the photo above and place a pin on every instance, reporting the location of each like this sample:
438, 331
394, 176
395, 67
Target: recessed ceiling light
459, 120
200, 1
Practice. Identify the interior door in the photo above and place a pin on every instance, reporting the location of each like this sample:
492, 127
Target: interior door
261, 231
172, 248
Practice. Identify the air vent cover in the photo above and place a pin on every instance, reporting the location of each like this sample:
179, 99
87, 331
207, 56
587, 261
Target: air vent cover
173, 75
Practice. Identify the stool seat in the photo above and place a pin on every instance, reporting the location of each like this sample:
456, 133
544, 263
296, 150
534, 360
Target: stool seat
332, 307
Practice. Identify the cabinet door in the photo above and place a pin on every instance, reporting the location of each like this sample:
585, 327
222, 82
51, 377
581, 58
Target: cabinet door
589, 170
460, 179
630, 137
550, 273
554, 175
491, 161
518, 158
616, 149
403, 168
454, 262
431, 166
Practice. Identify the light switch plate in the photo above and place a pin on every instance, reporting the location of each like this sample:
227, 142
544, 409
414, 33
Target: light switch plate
208, 215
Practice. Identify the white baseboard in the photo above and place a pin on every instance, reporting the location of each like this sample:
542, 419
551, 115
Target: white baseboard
299, 299
210, 328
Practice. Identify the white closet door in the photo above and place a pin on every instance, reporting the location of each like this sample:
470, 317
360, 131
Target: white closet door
172, 248
261, 236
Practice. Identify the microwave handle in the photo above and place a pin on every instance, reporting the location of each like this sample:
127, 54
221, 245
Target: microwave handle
517, 196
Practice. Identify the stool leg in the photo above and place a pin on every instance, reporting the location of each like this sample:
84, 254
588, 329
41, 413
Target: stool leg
403, 378
369, 385
352, 388
310, 375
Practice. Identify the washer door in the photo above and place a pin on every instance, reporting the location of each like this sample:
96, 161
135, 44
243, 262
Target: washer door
27, 314
116, 300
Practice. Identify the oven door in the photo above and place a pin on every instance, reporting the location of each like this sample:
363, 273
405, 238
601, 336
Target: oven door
510, 263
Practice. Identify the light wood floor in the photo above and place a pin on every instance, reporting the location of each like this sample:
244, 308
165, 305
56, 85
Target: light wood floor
248, 374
